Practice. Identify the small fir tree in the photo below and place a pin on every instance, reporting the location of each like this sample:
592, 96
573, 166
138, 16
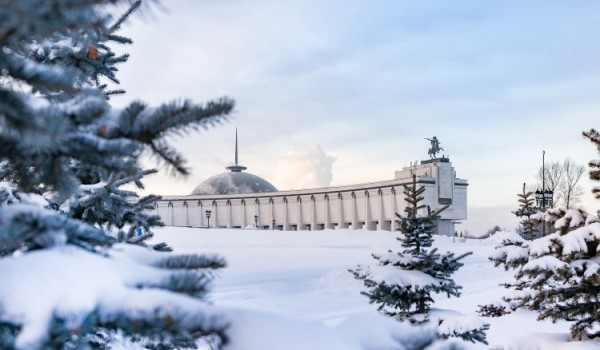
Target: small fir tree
525, 212
403, 282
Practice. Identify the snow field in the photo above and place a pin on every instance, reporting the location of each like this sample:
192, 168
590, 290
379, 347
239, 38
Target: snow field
303, 275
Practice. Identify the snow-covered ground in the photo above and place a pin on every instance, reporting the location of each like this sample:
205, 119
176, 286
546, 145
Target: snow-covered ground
304, 275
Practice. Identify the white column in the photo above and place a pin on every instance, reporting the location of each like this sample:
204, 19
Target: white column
327, 213
286, 223
354, 212
256, 212
186, 210
343, 219
368, 221
341, 213
201, 217
272, 223
215, 214
298, 213
394, 209
244, 217
381, 225
229, 213
313, 214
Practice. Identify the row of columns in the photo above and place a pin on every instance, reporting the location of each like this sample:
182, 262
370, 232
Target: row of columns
374, 218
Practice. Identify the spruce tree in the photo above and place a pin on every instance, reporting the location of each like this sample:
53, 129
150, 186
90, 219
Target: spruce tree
65, 154
402, 283
518, 255
594, 136
526, 210
557, 275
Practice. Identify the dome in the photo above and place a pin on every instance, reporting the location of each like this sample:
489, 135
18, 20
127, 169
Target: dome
234, 183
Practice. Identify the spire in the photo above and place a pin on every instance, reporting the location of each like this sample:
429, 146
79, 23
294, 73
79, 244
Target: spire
236, 168
236, 148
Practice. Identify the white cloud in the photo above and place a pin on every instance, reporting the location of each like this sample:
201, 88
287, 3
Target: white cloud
307, 167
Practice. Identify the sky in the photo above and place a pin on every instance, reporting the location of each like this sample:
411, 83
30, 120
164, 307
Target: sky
344, 92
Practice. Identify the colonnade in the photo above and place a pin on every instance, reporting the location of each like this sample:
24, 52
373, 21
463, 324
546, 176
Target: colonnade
293, 210
371, 206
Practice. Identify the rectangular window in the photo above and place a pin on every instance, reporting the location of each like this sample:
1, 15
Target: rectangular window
445, 201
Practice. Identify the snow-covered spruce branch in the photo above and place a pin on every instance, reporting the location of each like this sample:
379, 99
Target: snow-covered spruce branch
150, 126
557, 275
192, 261
594, 164
118, 290
60, 137
27, 227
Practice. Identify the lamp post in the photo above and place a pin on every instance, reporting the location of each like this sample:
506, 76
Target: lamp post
207, 212
256, 221
544, 196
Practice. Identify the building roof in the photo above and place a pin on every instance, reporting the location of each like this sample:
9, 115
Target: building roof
235, 181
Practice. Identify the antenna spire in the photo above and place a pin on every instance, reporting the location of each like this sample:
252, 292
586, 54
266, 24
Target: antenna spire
236, 168
236, 147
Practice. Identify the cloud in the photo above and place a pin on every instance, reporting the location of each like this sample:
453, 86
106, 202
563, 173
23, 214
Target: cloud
307, 167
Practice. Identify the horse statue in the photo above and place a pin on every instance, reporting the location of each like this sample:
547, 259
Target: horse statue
435, 147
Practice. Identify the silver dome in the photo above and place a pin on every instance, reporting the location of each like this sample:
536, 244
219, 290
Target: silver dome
233, 183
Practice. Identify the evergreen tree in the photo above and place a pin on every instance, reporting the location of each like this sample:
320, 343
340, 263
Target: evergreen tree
525, 212
531, 282
60, 138
403, 282
594, 136
557, 275
530, 220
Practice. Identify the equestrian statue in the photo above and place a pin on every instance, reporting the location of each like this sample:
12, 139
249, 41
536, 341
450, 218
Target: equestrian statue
435, 147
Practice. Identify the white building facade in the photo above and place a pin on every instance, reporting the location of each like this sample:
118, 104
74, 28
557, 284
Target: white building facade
370, 206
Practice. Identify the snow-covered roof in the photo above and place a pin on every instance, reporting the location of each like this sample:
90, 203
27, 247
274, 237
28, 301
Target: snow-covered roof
233, 183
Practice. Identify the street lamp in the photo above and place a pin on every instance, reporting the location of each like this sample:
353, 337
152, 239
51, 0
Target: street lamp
539, 198
208, 217
256, 221
548, 197
544, 197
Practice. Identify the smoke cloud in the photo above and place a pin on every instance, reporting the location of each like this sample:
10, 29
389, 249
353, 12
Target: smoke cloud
302, 168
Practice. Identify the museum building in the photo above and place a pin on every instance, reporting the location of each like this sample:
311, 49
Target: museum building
238, 199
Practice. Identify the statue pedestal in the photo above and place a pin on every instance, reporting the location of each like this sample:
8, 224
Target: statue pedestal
442, 188
436, 160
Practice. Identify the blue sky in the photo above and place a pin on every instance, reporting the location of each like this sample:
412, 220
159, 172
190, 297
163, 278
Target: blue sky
496, 81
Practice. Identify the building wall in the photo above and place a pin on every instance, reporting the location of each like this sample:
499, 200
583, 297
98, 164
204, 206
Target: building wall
370, 206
